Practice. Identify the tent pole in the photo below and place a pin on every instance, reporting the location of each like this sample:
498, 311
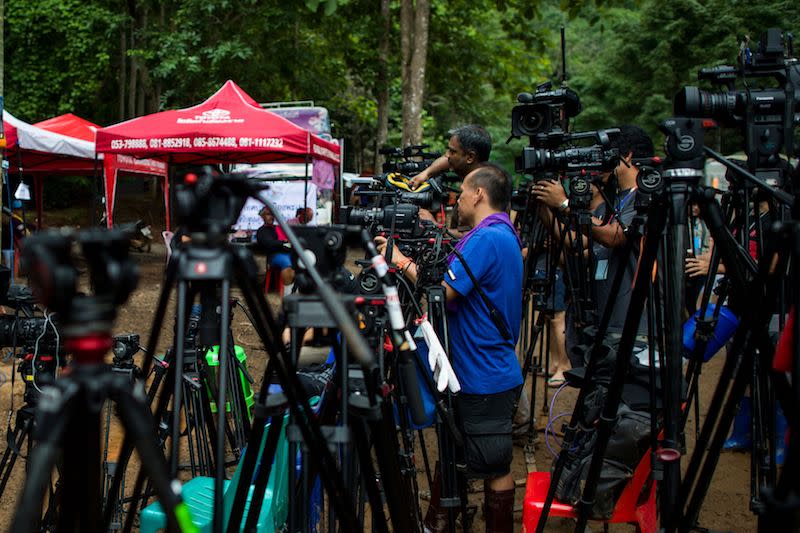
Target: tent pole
94, 192
39, 192
305, 191
341, 172
169, 193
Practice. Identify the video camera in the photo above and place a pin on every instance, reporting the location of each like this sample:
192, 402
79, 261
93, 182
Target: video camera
402, 218
395, 188
24, 329
768, 115
543, 113
731, 107
408, 161
599, 157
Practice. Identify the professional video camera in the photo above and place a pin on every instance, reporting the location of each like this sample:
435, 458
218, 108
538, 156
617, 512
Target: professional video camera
767, 114
598, 157
24, 329
395, 188
403, 219
543, 113
409, 161
730, 107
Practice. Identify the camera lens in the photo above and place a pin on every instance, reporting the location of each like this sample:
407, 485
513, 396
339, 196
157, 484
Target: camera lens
692, 102
530, 120
533, 122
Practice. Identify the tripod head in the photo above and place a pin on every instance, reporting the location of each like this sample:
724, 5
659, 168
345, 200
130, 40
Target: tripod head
87, 319
208, 204
328, 244
684, 147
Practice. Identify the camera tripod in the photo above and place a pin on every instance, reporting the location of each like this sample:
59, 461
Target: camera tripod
69, 411
208, 208
539, 293
25, 415
680, 500
453, 487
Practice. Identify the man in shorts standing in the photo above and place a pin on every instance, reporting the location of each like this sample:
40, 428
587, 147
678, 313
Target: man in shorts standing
482, 355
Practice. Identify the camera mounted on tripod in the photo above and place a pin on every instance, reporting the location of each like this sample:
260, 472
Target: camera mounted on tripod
402, 218
598, 157
328, 247
545, 114
408, 161
208, 204
48, 261
768, 115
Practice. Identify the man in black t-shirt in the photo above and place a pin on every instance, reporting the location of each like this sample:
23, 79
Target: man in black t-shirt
608, 229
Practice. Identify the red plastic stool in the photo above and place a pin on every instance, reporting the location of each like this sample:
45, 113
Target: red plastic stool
636, 504
278, 285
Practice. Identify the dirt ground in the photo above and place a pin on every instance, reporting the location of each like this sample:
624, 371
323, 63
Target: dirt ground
726, 507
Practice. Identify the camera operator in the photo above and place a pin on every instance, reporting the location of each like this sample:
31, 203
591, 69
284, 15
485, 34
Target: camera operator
608, 229
468, 147
484, 361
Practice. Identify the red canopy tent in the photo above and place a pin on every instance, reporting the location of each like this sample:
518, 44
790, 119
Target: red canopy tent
228, 127
113, 164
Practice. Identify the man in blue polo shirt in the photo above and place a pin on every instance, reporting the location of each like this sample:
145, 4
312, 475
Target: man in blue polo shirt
482, 356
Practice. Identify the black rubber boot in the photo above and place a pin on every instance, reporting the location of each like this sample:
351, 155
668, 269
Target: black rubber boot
499, 511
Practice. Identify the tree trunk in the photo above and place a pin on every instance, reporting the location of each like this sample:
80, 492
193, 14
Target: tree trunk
2, 49
123, 64
415, 55
144, 77
383, 84
132, 61
133, 20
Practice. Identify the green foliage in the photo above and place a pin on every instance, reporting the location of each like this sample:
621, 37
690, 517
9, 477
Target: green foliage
56, 55
626, 58
627, 64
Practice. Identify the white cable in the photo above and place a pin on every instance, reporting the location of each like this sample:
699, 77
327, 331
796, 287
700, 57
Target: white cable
48, 319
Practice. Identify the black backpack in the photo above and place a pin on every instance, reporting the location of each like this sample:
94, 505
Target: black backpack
629, 442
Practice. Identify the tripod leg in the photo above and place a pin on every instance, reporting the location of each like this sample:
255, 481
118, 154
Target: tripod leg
41, 461
369, 477
126, 448
301, 410
160, 415
177, 385
267, 460
138, 423
267, 405
219, 476
18, 437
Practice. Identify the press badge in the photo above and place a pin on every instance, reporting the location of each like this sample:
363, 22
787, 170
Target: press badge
602, 270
